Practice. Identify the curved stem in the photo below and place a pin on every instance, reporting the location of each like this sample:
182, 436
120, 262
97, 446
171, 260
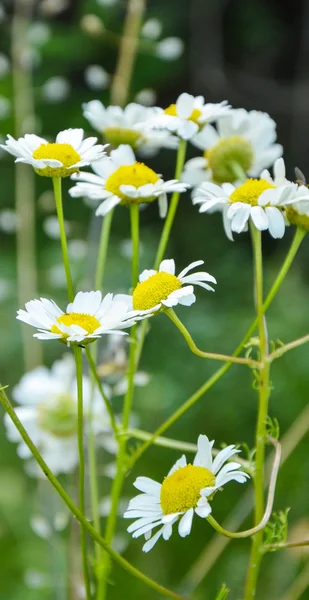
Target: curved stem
81, 481
223, 357
103, 247
75, 511
101, 390
180, 161
256, 553
63, 237
134, 216
270, 501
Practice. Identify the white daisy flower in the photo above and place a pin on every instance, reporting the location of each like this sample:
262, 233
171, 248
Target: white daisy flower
59, 159
195, 172
126, 126
48, 411
120, 179
188, 115
162, 289
261, 200
297, 213
245, 138
185, 491
86, 318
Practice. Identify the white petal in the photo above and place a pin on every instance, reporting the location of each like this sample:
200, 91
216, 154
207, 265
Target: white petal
222, 457
167, 266
203, 457
145, 484
181, 462
259, 218
276, 222
196, 263
184, 105
185, 523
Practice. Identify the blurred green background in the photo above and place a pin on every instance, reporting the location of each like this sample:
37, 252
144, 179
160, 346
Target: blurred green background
255, 55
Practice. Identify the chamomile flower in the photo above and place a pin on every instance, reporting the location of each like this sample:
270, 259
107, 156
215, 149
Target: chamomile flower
162, 289
86, 318
120, 179
242, 137
58, 159
126, 126
260, 200
188, 115
47, 408
185, 491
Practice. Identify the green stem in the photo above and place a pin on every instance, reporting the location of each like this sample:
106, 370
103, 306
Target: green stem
63, 237
287, 347
134, 215
81, 480
101, 390
180, 161
75, 511
223, 357
256, 550
103, 248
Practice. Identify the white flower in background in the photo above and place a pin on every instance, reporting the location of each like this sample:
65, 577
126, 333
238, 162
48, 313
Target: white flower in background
184, 492
47, 408
162, 289
38, 33
77, 249
59, 159
146, 97
5, 107
170, 48
127, 125
114, 366
49, 8
56, 276
9, 221
188, 115
36, 580
195, 171
4, 65
261, 200
96, 77
56, 89
120, 179
86, 318
152, 29
245, 138
51, 227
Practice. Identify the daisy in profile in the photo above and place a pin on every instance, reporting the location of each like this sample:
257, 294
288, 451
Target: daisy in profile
127, 126
186, 490
86, 318
247, 139
188, 115
158, 290
297, 212
260, 200
47, 408
57, 159
120, 179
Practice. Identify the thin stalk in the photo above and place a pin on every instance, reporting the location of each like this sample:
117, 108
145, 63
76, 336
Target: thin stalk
223, 357
75, 510
127, 52
287, 347
63, 237
285, 545
81, 476
103, 247
24, 111
101, 390
134, 217
180, 161
256, 550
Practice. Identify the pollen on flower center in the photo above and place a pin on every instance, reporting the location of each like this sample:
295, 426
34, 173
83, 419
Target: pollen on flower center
59, 417
122, 135
250, 191
65, 153
137, 174
195, 115
234, 149
87, 322
151, 292
182, 489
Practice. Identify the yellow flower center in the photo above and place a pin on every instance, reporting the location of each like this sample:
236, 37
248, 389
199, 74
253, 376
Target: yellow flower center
87, 322
295, 218
137, 174
182, 489
65, 153
121, 135
59, 417
234, 149
250, 191
195, 115
155, 289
